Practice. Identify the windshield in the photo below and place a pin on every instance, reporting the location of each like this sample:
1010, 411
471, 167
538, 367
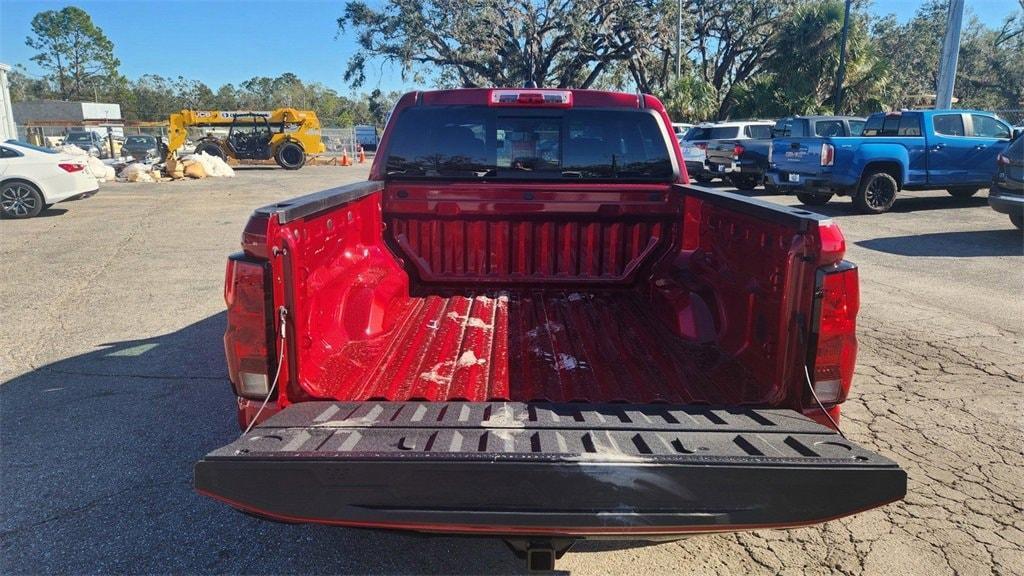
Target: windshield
140, 141
698, 133
477, 142
79, 137
21, 144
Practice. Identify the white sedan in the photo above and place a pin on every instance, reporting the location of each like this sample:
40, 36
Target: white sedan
33, 178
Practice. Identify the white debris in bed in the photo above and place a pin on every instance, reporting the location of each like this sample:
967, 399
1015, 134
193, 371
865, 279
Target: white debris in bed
548, 327
469, 358
469, 322
443, 372
568, 362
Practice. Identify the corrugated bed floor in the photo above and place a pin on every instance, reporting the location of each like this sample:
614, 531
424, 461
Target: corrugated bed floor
534, 346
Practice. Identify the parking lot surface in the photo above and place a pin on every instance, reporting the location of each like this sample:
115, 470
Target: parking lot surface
113, 384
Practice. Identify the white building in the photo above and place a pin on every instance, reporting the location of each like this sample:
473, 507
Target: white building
7, 128
54, 117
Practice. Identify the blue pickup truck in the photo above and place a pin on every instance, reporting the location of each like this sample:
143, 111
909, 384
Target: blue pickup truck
954, 150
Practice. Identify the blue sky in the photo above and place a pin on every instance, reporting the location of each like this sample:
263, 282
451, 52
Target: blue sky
230, 41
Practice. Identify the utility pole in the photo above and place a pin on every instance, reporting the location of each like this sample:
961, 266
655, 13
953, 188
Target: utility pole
837, 98
679, 39
950, 55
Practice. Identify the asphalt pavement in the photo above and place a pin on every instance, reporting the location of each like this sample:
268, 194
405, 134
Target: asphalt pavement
112, 383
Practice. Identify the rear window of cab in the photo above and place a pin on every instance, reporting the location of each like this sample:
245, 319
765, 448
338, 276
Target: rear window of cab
893, 124
476, 142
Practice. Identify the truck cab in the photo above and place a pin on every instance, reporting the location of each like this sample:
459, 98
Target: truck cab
527, 324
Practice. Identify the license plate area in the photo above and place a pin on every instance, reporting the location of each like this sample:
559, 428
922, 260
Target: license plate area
793, 177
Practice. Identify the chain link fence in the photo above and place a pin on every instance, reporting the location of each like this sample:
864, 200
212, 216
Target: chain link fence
1013, 116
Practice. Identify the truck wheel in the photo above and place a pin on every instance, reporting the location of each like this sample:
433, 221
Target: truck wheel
745, 181
20, 200
813, 199
290, 156
211, 149
962, 193
876, 193
1018, 219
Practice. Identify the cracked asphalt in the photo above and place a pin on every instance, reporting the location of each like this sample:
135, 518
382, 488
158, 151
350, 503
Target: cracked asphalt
112, 384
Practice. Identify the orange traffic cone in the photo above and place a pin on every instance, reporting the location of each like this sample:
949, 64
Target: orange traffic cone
362, 155
345, 161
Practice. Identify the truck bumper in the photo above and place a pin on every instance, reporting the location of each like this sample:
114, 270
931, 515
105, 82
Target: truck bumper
805, 183
697, 168
505, 468
733, 167
1005, 201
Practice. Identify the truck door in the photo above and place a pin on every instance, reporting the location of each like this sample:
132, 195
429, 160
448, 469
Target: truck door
988, 136
949, 150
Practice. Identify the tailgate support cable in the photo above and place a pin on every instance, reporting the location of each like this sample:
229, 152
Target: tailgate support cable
799, 318
283, 314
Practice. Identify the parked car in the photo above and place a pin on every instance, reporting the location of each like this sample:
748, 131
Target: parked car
953, 150
32, 178
1006, 195
680, 129
742, 158
551, 338
144, 147
89, 141
694, 148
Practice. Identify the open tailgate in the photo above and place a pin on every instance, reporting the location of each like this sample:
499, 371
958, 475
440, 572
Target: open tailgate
566, 469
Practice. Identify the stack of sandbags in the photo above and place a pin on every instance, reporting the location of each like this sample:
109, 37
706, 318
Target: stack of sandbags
174, 168
213, 166
138, 172
101, 171
194, 168
71, 150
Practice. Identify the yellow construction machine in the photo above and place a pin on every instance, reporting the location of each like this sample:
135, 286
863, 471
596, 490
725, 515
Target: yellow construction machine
287, 135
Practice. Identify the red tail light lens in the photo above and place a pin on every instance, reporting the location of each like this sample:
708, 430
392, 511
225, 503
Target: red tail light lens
835, 349
828, 154
67, 167
1002, 160
737, 150
249, 338
701, 146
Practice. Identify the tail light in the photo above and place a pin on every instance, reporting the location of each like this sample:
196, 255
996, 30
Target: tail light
771, 150
828, 154
249, 338
834, 350
737, 151
701, 146
1002, 160
68, 167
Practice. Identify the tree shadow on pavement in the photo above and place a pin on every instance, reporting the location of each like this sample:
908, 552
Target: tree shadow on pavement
975, 243
97, 455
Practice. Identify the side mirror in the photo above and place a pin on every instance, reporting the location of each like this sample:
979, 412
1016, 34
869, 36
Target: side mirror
1017, 131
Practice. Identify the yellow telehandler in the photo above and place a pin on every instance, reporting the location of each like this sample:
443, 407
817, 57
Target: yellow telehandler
285, 134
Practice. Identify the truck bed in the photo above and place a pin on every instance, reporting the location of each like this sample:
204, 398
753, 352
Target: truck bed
556, 346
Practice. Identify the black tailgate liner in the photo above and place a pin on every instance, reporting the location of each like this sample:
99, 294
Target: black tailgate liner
573, 469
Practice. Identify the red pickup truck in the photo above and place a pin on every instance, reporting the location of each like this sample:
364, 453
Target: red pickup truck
527, 324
